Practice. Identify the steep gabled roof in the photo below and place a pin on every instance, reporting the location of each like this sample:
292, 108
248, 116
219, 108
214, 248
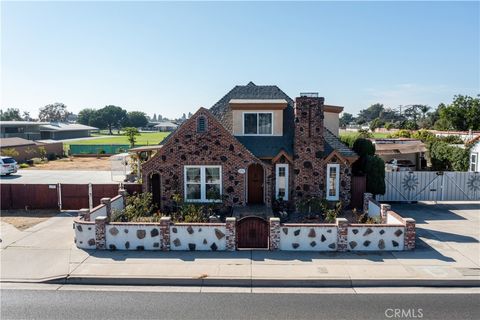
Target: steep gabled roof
261, 146
332, 142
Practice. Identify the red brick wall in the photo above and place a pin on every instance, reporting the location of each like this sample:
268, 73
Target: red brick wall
214, 147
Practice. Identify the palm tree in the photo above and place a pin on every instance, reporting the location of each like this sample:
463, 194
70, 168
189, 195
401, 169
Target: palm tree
423, 109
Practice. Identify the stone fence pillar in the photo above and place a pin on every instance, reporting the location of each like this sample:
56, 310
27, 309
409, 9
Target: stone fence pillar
410, 234
342, 234
165, 233
230, 224
124, 195
100, 232
384, 208
84, 214
274, 243
108, 206
366, 198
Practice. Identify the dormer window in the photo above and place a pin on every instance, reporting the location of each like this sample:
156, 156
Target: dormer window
201, 124
257, 123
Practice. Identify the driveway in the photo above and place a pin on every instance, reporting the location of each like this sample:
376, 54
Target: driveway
58, 176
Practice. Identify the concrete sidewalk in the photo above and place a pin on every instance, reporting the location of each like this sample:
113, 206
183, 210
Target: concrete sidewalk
447, 254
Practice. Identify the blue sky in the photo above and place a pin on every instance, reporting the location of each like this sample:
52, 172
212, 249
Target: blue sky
169, 58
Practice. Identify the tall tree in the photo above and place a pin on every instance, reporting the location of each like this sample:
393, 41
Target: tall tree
137, 119
112, 117
154, 119
11, 114
346, 119
85, 116
56, 112
372, 112
463, 113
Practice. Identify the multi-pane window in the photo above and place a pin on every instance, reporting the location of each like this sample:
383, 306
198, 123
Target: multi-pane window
281, 186
333, 181
258, 123
203, 183
473, 162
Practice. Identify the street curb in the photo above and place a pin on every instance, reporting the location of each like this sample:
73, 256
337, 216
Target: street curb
268, 282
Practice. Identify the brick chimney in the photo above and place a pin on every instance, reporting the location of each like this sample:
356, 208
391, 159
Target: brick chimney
308, 146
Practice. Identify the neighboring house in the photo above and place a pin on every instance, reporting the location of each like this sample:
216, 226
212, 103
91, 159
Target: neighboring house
28, 149
474, 165
44, 130
61, 131
21, 129
253, 146
401, 149
165, 126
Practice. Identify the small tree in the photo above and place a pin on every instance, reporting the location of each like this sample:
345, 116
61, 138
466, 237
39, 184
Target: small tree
131, 134
43, 152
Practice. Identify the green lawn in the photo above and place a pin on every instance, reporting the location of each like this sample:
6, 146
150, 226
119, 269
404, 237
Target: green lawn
145, 138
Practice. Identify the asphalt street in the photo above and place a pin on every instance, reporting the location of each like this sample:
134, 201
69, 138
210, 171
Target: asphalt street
54, 304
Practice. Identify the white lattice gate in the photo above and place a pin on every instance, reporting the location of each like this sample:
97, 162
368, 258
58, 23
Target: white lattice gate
431, 186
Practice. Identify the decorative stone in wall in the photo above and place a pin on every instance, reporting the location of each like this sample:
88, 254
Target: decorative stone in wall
219, 234
154, 232
306, 238
371, 238
141, 234
113, 231
189, 237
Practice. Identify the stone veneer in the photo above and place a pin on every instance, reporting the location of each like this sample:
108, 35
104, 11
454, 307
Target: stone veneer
215, 146
308, 167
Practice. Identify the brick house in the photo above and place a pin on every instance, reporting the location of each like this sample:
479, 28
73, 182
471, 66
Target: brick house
254, 145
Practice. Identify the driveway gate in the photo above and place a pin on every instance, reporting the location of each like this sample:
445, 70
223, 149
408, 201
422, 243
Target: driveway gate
252, 233
431, 186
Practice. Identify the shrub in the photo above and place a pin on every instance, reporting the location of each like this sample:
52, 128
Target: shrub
451, 139
36, 160
310, 205
193, 213
9, 152
445, 157
43, 152
23, 165
138, 206
375, 171
424, 135
332, 214
52, 156
401, 134
363, 147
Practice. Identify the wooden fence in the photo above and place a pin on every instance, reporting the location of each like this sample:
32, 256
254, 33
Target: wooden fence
58, 196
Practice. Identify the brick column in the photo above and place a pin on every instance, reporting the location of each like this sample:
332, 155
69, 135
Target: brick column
274, 243
100, 232
410, 233
366, 197
165, 233
230, 224
342, 234
384, 208
108, 206
84, 214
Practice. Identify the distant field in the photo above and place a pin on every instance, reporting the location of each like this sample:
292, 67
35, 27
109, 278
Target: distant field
377, 135
145, 138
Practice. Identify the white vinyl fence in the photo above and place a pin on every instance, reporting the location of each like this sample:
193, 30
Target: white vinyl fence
431, 186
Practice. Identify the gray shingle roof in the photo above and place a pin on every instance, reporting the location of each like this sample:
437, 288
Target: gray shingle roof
332, 142
65, 127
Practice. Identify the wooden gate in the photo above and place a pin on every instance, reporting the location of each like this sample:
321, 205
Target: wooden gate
252, 233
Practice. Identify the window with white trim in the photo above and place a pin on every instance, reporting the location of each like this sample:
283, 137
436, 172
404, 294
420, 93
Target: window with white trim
257, 123
281, 178
473, 161
333, 182
203, 183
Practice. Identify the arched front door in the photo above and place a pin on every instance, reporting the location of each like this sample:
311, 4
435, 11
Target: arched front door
155, 189
255, 184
